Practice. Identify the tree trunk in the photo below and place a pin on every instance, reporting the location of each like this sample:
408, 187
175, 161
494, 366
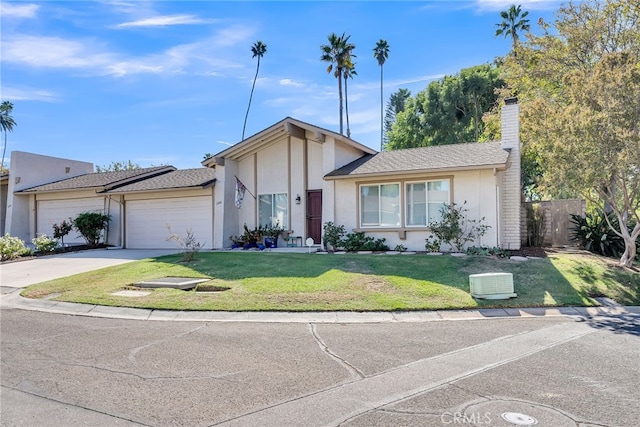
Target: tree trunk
346, 107
340, 96
629, 254
250, 98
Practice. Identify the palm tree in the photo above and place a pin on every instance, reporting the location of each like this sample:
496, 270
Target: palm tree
512, 23
6, 123
348, 72
381, 53
337, 53
258, 49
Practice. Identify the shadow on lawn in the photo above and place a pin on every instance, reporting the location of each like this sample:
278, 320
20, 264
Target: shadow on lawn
537, 282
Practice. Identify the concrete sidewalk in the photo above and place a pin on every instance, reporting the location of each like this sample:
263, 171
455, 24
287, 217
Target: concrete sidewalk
14, 300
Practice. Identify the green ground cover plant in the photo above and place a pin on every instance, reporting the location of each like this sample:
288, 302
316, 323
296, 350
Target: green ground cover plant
301, 282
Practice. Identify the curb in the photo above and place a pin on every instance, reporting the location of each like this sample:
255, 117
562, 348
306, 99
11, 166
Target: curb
13, 300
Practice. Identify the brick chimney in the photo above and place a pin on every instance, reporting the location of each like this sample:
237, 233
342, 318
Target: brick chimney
510, 215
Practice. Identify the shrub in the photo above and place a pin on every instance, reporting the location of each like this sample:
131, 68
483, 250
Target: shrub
44, 243
432, 244
360, 242
12, 247
189, 245
61, 230
333, 235
455, 228
536, 229
90, 225
400, 248
495, 251
595, 235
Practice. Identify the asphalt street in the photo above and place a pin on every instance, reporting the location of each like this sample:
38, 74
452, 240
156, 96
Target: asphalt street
65, 370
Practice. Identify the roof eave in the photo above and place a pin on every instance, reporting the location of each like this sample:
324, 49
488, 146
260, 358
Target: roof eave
496, 166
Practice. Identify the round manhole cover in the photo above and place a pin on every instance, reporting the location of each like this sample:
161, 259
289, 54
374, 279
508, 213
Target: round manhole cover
519, 419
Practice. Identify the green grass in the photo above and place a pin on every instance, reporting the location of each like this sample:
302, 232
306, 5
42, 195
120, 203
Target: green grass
302, 282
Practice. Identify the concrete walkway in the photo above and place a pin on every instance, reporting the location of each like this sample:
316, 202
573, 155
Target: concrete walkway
17, 275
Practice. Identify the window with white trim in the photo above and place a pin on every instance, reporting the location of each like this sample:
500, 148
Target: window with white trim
424, 201
380, 205
273, 209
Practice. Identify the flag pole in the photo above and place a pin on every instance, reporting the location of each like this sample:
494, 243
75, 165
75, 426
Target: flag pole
245, 187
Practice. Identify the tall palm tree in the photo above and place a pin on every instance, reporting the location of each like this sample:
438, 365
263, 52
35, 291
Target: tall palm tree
258, 49
381, 53
513, 22
6, 123
348, 72
337, 53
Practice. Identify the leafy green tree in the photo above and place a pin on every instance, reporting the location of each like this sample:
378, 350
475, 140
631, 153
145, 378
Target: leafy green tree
337, 53
513, 22
580, 102
381, 53
449, 111
258, 49
395, 105
117, 166
6, 124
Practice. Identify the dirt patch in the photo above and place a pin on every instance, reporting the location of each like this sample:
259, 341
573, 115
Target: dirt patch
527, 251
371, 284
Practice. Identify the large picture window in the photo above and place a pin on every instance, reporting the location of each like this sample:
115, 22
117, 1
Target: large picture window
273, 210
424, 201
380, 205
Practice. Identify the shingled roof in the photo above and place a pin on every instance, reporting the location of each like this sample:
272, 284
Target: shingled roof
426, 159
100, 181
178, 179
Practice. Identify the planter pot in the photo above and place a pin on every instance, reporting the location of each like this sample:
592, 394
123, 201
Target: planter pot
271, 242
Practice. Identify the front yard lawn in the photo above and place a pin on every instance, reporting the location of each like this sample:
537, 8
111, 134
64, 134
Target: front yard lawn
302, 282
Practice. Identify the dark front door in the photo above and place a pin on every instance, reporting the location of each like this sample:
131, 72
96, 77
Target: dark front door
314, 215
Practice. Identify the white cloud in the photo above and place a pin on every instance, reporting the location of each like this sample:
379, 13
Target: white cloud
164, 21
500, 5
53, 52
289, 82
28, 94
228, 144
18, 10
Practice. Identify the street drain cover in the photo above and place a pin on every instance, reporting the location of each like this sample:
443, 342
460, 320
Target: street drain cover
183, 283
519, 419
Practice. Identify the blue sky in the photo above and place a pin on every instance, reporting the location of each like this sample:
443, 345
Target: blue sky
163, 82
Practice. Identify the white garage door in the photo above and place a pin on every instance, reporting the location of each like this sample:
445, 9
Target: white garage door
147, 220
55, 211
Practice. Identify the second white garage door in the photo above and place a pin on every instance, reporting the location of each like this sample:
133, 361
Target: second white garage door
147, 220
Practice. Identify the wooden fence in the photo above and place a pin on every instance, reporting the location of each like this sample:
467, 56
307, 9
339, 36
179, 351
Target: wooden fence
556, 227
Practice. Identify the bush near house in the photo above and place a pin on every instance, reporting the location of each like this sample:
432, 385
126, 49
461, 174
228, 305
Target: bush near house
44, 243
90, 225
12, 247
455, 229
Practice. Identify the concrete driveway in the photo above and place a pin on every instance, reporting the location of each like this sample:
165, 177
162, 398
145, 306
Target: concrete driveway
21, 274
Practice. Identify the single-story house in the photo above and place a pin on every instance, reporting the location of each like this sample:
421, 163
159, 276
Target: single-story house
299, 176
303, 176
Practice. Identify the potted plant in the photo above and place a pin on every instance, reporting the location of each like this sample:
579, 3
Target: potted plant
271, 234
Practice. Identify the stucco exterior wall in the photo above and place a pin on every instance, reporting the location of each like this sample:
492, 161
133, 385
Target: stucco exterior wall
477, 188
29, 170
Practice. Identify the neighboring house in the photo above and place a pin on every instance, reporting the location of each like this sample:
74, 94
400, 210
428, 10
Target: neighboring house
282, 168
28, 170
181, 199
296, 175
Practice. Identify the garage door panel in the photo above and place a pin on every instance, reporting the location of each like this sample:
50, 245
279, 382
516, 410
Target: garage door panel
147, 221
55, 211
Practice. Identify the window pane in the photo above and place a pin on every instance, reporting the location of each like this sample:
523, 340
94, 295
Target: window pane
280, 214
390, 204
369, 214
265, 209
438, 196
416, 204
